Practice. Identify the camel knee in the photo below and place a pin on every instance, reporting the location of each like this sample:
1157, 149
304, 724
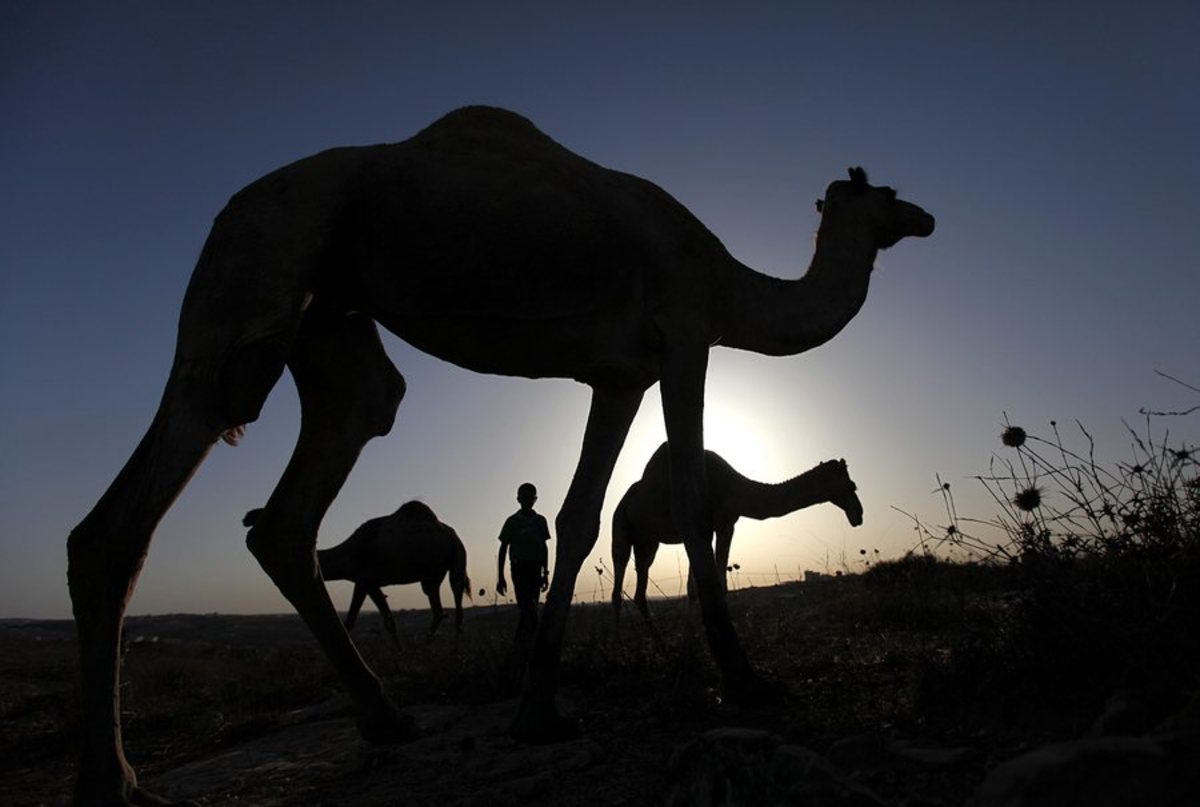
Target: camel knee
375, 410
98, 569
577, 535
290, 564
344, 375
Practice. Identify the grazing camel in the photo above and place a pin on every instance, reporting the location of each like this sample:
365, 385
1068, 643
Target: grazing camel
642, 519
409, 546
485, 243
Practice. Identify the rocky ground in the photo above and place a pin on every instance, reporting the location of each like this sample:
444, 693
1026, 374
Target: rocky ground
884, 707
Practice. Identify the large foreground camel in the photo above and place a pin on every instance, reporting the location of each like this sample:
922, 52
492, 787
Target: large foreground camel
410, 546
642, 519
483, 242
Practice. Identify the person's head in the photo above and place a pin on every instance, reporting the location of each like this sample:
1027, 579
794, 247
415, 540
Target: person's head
526, 494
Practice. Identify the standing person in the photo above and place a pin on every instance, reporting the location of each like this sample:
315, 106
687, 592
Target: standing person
523, 537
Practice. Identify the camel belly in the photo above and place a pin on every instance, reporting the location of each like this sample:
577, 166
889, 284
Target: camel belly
597, 350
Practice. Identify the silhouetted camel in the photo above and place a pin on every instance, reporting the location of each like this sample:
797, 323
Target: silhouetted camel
409, 546
642, 519
483, 242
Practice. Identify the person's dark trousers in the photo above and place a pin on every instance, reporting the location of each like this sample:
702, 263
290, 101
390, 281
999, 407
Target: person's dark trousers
527, 585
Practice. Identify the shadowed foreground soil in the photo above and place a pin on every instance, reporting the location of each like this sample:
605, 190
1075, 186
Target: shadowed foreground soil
884, 707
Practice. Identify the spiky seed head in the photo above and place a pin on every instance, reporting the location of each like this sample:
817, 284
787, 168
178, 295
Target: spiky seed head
1028, 499
1013, 437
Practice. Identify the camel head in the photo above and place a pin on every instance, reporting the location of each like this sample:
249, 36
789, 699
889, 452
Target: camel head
888, 218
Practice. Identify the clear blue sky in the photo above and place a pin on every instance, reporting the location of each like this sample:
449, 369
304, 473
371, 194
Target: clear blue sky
1055, 143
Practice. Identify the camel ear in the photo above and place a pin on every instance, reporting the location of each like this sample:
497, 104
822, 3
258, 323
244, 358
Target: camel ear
858, 178
820, 205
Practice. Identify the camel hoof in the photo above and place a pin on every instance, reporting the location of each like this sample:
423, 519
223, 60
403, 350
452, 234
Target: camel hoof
388, 728
543, 728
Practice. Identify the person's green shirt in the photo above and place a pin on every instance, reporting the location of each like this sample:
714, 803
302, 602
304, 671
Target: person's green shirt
526, 534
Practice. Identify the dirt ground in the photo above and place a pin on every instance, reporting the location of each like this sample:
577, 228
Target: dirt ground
243, 710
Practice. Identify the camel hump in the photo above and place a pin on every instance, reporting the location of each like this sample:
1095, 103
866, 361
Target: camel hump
417, 511
483, 128
659, 464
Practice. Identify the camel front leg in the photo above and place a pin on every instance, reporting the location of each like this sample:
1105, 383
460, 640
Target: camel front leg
685, 363
105, 556
380, 599
577, 526
356, 603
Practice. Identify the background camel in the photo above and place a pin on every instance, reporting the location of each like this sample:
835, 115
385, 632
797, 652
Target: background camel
409, 546
642, 519
483, 242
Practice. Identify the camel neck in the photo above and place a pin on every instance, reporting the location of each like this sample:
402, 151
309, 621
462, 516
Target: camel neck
763, 500
778, 317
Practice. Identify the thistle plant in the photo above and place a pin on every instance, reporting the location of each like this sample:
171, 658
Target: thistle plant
1103, 559
1056, 500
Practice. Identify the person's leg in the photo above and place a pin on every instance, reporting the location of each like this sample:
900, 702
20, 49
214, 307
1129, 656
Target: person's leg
526, 584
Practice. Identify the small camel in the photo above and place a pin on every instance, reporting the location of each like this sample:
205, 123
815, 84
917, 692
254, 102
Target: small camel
642, 519
409, 546
483, 242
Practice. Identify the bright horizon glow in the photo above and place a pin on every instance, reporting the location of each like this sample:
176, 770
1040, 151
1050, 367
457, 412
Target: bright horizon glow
1056, 149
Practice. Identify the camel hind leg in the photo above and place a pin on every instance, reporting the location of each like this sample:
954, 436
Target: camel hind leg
433, 591
385, 614
356, 603
459, 584
577, 526
349, 392
644, 552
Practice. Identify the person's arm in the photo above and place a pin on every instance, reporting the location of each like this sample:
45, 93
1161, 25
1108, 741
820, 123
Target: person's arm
501, 583
545, 555
545, 568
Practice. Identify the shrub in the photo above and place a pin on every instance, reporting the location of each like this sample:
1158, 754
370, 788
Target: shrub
1105, 562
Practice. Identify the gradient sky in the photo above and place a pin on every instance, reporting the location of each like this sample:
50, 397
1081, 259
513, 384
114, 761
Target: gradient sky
1055, 144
